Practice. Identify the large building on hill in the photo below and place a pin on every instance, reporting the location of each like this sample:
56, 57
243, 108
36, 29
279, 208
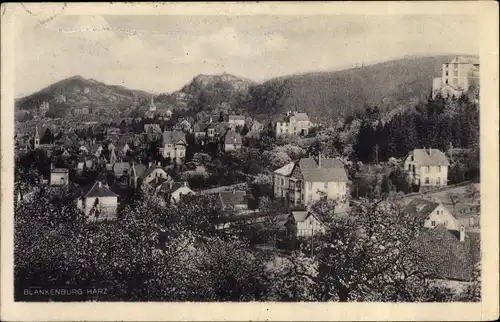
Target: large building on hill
457, 77
293, 123
310, 179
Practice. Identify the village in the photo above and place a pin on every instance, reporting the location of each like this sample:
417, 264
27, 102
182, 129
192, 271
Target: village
260, 172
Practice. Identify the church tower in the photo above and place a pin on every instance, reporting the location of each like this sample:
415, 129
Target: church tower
36, 139
152, 106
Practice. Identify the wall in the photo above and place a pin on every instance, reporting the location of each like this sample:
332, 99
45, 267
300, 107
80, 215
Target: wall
309, 227
174, 152
59, 179
333, 191
434, 173
280, 189
231, 147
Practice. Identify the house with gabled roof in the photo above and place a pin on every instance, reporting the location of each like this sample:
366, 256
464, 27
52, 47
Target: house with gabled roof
154, 173
98, 202
175, 190
231, 141
427, 168
432, 214
306, 223
173, 146
312, 179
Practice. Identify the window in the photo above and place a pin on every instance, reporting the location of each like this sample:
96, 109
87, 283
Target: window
282, 181
455, 66
326, 185
438, 180
446, 73
446, 81
433, 223
409, 167
445, 65
455, 73
426, 180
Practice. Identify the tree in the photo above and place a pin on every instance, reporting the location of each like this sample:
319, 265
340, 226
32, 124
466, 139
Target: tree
370, 255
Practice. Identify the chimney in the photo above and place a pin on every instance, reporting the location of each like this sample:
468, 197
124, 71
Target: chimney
51, 166
149, 165
462, 234
159, 163
185, 183
99, 184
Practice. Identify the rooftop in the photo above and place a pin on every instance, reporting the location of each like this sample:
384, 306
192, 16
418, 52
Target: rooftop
98, 189
233, 198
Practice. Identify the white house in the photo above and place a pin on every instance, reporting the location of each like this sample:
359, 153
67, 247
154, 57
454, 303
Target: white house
427, 168
59, 177
310, 180
98, 203
433, 214
293, 124
175, 190
154, 173
307, 223
174, 146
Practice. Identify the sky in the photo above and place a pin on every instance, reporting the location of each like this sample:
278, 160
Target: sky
162, 53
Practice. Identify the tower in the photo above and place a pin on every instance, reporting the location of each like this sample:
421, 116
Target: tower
152, 106
36, 139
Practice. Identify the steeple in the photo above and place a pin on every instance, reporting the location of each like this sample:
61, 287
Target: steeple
36, 139
152, 106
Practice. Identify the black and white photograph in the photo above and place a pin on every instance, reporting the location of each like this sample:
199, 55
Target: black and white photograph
246, 158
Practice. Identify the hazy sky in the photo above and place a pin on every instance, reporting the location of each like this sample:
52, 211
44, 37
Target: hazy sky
162, 53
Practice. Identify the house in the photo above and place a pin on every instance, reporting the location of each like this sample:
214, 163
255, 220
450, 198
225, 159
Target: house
427, 168
231, 141
307, 223
457, 77
184, 125
233, 200
449, 255
311, 179
175, 190
293, 123
236, 120
98, 203
174, 146
432, 213
59, 176
200, 130
152, 173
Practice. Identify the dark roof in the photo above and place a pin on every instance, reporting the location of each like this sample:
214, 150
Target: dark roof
174, 137
446, 256
233, 198
420, 207
99, 190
